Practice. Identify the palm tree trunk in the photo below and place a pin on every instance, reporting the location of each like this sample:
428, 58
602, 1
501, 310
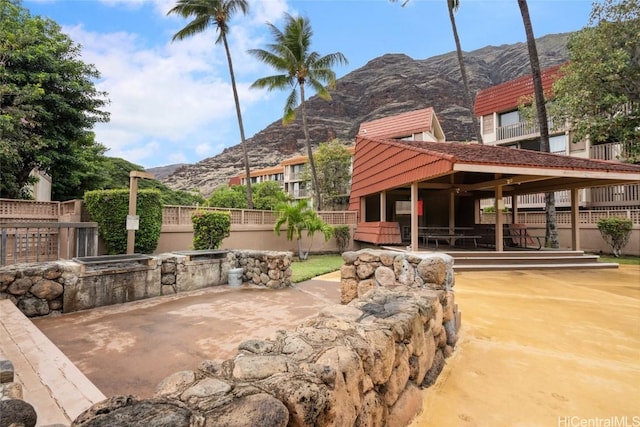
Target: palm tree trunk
316, 186
551, 233
463, 70
247, 169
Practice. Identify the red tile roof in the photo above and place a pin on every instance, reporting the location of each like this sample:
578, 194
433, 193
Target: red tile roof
504, 156
400, 125
509, 95
382, 165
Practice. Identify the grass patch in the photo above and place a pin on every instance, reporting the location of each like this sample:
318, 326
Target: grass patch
314, 266
623, 259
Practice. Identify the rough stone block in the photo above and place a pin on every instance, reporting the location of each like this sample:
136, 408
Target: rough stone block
406, 407
16, 412
6, 371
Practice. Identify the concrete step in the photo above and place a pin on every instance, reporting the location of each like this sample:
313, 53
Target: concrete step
55, 387
530, 259
513, 254
532, 266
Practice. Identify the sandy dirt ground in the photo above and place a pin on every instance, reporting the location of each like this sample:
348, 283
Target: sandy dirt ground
556, 348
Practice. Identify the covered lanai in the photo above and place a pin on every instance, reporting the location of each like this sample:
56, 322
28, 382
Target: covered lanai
400, 185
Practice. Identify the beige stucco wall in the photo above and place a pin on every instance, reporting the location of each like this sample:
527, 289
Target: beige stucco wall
591, 240
176, 238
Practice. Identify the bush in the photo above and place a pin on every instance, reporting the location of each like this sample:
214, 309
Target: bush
109, 208
616, 232
342, 235
210, 228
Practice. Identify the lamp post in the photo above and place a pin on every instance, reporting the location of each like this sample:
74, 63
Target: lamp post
132, 218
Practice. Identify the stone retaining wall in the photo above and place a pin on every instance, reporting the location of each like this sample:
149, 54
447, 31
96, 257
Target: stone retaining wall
264, 268
14, 411
362, 363
51, 288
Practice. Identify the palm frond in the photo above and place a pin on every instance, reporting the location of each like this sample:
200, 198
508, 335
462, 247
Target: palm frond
320, 89
279, 81
289, 107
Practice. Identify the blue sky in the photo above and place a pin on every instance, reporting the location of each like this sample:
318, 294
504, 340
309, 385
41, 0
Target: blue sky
172, 102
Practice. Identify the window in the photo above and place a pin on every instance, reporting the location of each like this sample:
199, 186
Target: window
558, 144
510, 118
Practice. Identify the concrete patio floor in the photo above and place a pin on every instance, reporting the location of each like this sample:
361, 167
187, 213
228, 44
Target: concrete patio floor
535, 346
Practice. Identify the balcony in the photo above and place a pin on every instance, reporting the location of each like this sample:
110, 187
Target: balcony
524, 130
302, 193
612, 151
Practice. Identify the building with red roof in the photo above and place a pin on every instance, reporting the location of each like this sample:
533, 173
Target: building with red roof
497, 109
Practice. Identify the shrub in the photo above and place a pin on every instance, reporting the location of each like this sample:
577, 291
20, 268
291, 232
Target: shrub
109, 208
616, 232
210, 228
342, 235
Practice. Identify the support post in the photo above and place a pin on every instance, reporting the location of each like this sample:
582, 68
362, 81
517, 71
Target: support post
383, 206
414, 216
133, 199
499, 204
575, 219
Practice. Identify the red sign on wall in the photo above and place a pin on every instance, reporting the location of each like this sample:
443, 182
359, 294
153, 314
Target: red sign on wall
420, 207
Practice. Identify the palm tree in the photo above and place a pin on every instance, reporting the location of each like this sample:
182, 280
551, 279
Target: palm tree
551, 233
452, 6
299, 217
290, 55
206, 13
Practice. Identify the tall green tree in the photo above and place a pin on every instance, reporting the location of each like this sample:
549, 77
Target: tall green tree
48, 101
333, 162
206, 13
599, 92
551, 230
453, 6
290, 54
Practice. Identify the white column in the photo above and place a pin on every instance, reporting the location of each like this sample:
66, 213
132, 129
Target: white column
383, 206
414, 216
498, 208
575, 219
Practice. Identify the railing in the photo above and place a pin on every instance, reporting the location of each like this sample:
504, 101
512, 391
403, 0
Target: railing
300, 194
11, 209
589, 217
46, 241
627, 195
616, 195
181, 215
524, 129
611, 151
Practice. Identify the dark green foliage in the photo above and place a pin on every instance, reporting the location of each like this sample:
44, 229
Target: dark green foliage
109, 208
616, 232
234, 197
599, 92
342, 235
48, 104
210, 228
266, 196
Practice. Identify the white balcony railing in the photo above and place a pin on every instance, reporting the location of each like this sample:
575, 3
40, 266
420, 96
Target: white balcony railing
611, 151
524, 129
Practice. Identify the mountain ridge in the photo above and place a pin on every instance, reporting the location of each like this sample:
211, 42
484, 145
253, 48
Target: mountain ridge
385, 85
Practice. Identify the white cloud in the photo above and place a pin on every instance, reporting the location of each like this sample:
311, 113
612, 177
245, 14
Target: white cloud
172, 96
172, 101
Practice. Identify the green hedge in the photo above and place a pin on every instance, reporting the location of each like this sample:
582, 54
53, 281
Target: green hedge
616, 232
210, 228
109, 208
